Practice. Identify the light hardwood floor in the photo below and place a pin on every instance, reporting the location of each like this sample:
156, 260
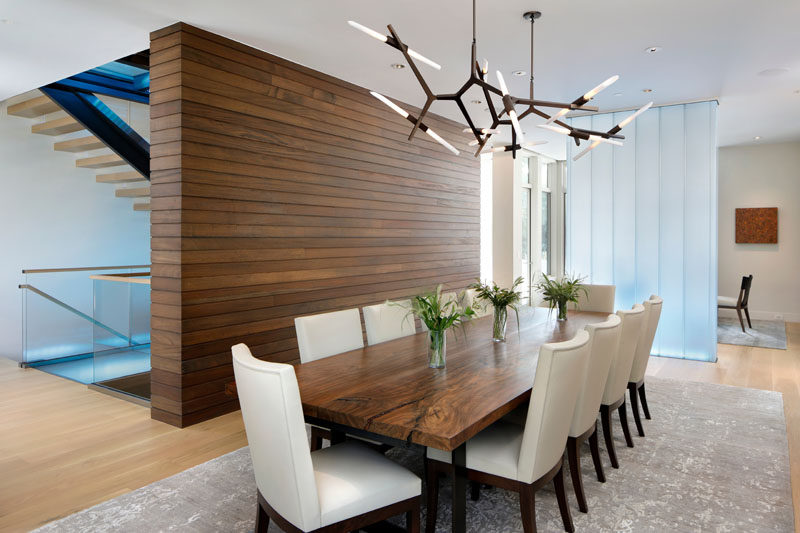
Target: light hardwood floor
64, 447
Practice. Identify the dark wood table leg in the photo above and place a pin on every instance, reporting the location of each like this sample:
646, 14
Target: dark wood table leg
459, 461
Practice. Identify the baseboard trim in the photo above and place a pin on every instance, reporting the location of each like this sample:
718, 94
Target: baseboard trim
763, 315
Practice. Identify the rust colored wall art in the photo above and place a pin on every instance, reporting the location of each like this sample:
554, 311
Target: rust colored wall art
757, 225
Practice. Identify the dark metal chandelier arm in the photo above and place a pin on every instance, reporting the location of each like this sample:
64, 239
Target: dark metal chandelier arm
547, 103
404, 50
422, 113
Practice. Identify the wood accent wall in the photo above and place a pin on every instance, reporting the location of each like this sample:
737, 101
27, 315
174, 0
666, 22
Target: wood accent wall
278, 191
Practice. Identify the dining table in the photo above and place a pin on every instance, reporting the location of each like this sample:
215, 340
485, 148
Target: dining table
387, 393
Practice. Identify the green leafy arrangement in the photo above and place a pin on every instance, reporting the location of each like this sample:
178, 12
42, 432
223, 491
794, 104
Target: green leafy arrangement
557, 291
499, 297
438, 315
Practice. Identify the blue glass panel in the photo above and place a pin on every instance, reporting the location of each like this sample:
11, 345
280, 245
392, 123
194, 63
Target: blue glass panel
624, 212
602, 206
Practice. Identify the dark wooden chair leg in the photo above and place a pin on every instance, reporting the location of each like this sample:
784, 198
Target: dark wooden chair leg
412, 519
432, 486
605, 417
317, 436
563, 505
747, 314
262, 520
741, 322
623, 419
475, 490
527, 507
643, 398
635, 407
573, 453
598, 465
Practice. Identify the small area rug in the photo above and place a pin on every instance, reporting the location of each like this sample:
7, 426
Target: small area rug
715, 458
763, 334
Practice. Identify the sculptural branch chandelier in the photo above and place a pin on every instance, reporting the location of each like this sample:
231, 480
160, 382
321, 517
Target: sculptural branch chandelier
508, 115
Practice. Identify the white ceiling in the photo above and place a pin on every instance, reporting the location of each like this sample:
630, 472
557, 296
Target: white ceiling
711, 48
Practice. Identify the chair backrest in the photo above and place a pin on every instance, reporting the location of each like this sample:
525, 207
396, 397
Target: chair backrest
480, 306
559, 373
744, 292
320, 336
648, 333
387, 321
273, 420
603, 340
598, 298
620, 370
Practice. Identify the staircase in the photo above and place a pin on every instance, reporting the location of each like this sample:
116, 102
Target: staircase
91, 153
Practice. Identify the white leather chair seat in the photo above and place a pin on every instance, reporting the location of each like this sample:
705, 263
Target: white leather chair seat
495, 450
726, 300
352, 480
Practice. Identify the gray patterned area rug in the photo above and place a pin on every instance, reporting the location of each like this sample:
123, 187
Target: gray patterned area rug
763, 334
715, 458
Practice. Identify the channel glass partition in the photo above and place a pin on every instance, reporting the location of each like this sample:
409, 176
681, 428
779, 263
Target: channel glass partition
644, 218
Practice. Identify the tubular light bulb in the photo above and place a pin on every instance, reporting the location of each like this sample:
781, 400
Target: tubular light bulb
372, 33
598, 139
499, 149
384, 38
473, 142
417, 55
515, 121
502, 82
485, 68
555, 127
441, 141
391, 104
533, 143
639, 112
482, 130
586, 150
557, 116
591, 94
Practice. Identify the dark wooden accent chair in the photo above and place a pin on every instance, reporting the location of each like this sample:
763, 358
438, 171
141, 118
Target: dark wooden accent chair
524, 458
652, 310
740, 304
342, 488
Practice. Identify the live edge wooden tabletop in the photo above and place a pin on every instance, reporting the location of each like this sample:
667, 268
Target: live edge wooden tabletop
388, 388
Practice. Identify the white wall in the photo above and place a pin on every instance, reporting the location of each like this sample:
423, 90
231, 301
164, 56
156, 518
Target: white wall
762, 176
53, 214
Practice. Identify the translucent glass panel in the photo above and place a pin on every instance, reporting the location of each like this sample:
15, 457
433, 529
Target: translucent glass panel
643, 217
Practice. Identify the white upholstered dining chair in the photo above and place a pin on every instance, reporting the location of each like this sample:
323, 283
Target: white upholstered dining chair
603, 340
341, 488
618, 374
480, 306
525, 458
324, 335
643, 348
388, 321
598, 298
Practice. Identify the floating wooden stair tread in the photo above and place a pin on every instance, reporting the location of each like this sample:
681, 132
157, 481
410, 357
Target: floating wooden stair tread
133, 192
35, 107
141, 206
128, 176
81, 144
100, 161
58, 126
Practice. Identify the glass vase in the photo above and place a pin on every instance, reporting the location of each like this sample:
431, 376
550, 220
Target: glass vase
437, 348
499, 323
562, 310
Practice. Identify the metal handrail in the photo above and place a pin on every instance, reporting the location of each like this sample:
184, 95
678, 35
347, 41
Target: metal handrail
75, 311
78, 269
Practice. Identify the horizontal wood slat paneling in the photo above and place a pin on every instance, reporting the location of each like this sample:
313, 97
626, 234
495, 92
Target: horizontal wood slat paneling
277, 192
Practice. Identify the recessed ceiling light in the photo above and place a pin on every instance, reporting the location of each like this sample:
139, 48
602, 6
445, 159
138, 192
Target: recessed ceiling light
477, 102
653, 49
757, 138
397, 66
617, 94
518, 73
5, 21
647, 90
773, 72
797, 91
